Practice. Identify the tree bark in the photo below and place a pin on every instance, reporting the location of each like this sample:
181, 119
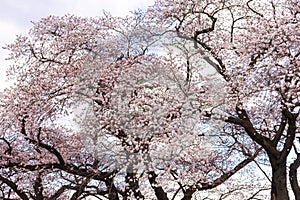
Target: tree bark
279, 189
188, 194
294, 177
112, 190
132, 184
159, 191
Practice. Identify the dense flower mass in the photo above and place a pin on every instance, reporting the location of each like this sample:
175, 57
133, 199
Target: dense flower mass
163, 103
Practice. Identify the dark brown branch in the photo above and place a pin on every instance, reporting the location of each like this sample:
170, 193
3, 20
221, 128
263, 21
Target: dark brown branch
244, 121
280, 130
256, 56
79, 189
227, 175
188, 194
14, 187
7, 151
293, 176
159, 191
291, 133
38, 187
209, 29
188, 71
59, 192
112, 190
260, 190
248, 4
49, 148
266, 175
133, 185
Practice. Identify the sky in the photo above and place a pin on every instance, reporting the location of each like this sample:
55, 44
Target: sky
16, 17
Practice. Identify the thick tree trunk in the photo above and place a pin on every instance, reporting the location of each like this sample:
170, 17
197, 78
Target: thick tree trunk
159, 191
279, 189
112, 190
188, 194
294, 177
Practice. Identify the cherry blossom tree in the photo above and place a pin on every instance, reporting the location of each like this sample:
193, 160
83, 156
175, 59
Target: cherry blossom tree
42, 160
254, 46
137, 114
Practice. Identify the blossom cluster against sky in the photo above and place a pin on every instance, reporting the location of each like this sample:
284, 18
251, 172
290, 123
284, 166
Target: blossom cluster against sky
16, 17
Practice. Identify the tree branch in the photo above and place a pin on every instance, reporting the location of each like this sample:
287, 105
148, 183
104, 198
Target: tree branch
293, 175
14, 187
159, 191
227, 175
